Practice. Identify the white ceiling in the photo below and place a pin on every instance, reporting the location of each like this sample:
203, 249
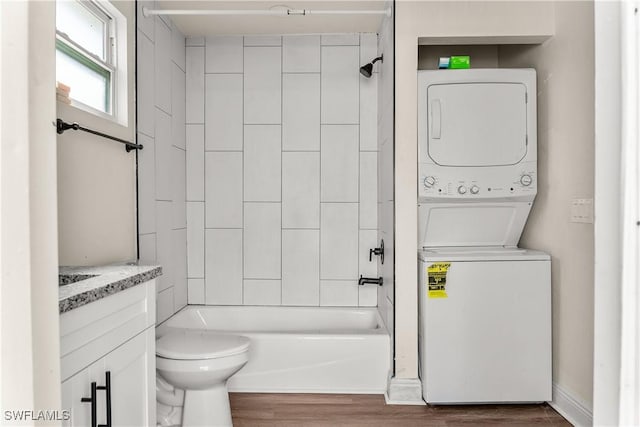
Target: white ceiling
191, 25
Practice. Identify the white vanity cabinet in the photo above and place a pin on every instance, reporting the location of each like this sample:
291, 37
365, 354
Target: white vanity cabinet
108, 360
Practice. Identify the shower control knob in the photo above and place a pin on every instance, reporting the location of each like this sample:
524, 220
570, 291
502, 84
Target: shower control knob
526, 180
429, 181
475, 189
462, 189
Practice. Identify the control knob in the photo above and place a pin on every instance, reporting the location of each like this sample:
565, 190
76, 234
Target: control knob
462, 189
526, 180
429, 181
475, 189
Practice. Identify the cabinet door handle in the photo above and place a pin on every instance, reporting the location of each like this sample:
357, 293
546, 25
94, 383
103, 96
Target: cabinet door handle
107, 388
92, 400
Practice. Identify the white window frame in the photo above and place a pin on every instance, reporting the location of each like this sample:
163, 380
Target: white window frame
115, 59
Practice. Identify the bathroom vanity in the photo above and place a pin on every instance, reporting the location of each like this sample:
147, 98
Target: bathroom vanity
107, 345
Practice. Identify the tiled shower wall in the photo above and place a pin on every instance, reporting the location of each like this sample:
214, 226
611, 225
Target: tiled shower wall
281, 166
162, 224
386, 170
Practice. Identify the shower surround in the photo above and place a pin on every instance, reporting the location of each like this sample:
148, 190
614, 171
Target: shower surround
258, 184
281, 170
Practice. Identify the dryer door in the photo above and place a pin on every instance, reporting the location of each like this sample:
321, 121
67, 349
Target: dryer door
477, 124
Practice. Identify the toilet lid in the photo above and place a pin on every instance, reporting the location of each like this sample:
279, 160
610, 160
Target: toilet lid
192, 345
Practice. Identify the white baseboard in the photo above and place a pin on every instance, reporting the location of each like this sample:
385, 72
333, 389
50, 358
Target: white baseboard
571, 407
404, 391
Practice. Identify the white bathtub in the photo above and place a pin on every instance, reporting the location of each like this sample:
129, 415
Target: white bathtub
300, 349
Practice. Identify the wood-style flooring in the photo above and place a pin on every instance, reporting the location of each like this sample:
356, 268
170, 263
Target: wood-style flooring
314, 410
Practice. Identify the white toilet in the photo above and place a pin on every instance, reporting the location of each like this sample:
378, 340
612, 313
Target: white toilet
200, 363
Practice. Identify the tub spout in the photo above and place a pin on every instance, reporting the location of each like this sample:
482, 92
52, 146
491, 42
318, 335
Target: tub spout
369, 280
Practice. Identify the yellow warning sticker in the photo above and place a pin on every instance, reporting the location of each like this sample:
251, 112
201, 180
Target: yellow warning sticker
437, 280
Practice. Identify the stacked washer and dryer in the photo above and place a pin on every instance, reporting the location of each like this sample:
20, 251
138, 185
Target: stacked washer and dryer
485, 304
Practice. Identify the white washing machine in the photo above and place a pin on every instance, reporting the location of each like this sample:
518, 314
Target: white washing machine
485, 328
485, 305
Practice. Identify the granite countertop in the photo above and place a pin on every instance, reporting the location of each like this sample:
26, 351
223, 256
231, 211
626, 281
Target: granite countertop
82, 285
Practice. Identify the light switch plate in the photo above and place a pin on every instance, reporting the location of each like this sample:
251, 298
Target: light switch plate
582, 211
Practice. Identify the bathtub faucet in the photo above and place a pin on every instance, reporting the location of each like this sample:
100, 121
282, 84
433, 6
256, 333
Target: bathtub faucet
369, 280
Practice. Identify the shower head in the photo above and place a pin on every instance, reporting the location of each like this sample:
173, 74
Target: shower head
367, 69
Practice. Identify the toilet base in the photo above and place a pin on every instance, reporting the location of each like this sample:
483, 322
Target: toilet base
209, 407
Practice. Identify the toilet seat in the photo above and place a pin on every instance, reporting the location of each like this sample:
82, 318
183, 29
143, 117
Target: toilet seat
199, 345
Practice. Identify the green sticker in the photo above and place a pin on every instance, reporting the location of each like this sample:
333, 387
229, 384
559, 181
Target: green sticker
460, 62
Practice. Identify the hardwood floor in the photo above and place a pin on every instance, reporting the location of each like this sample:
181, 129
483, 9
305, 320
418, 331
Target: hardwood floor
314, 410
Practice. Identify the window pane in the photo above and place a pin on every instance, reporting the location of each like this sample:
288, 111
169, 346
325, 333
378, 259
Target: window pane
81, 25
87, 85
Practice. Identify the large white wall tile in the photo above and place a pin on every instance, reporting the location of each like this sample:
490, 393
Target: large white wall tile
262, 163
341, 39
338, 293
164, 305
224, 54
194, 41
223, 274
263, 40
386, 233
262, 292
177, 106
368, 49
195, 85
163, 155
300, 190
385, 171
179, 238
300, 267
339, 157
223, 112
195, 162
262, 85
262, 240
147, 248
164, 245
177, 47
388, 309
301, 112
178, 184
146, 185
369, 113
163, 66
340, 80
382, 307
369, 190
165, 18
195, 288
368, 240
195, 239
368, 295
301, 54
146, 86
146, 24
223, 189
339, 241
